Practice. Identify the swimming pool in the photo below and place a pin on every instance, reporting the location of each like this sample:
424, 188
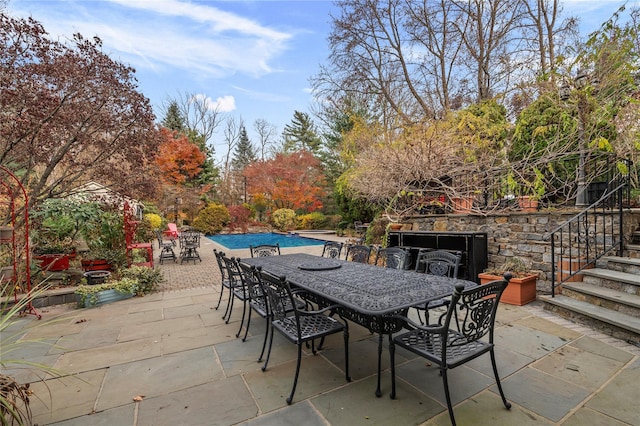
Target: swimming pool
242, 241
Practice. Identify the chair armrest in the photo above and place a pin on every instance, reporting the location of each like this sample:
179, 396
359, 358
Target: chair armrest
320, 311
434, 329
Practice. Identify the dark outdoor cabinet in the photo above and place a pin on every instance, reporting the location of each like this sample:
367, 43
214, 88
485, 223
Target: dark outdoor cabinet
473, 246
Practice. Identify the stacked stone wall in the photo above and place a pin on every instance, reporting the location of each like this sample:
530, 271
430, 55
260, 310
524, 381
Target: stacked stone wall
523, 235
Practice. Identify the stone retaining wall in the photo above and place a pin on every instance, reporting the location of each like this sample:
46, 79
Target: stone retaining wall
524, 235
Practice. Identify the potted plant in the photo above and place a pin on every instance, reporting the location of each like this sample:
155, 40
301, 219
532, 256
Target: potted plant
53, 257
522, 286
93, 295
57, 225
529, 201
100, 259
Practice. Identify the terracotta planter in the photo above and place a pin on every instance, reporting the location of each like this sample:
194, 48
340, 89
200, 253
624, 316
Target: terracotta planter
520, 291
53, 262
527, 204
96, 265
462, 204
395, 226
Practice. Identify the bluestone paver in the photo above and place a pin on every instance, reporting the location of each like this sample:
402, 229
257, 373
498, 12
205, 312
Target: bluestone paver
173, 351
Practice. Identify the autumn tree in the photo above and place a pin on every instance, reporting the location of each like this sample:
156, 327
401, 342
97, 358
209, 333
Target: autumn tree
291, 181
178, 159
69, 114
176, 120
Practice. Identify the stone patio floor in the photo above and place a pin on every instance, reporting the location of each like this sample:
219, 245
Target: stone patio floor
169, 359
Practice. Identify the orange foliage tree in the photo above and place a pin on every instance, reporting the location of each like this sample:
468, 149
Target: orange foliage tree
178, 158
294, 181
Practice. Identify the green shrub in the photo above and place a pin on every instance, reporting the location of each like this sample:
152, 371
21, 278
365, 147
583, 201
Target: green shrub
212, 219
147, 278
315, 220
144, 231
333, 221
283, 219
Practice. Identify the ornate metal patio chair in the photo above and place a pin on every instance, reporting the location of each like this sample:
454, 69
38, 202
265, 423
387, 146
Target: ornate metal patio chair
236, 286
332, 249
359, 253
437, 262
230, 280
224, 279
189, 244
258, 301
475, 310
392, 257
166, 248
252, 283
299, 326
265, 250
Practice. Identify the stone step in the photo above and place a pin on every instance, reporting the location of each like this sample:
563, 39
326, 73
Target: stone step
624, 282
605, 297
632, 250
622, 264
610, 322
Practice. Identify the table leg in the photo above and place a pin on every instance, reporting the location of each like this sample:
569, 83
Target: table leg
378, 391
392, 357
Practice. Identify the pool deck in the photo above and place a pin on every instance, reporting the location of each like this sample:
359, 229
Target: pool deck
169, 359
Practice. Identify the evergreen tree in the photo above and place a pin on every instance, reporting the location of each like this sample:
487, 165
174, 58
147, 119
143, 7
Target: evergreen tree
245, 153
301, 134
173, 119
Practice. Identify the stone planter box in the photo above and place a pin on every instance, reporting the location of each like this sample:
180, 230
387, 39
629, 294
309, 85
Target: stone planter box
520, 291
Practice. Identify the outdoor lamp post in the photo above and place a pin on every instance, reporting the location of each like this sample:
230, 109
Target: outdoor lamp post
579, 83
175, 208
245, 189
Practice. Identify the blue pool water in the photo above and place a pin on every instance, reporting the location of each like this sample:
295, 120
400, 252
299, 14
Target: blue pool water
242, 241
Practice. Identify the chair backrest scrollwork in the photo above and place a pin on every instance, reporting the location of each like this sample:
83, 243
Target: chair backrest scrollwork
439, 262
332, 249
392, 257
265, 250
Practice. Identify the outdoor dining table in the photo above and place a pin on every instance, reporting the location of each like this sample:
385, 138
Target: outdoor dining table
368, 295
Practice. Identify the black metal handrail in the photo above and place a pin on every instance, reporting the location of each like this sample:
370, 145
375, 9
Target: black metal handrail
590, 234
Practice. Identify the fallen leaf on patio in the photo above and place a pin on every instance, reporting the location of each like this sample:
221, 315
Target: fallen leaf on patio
138, 398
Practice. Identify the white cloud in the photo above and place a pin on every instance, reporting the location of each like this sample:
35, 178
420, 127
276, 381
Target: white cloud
199, 39
226, 103
221, 104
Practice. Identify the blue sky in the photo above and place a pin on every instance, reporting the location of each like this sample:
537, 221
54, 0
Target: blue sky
251, 58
